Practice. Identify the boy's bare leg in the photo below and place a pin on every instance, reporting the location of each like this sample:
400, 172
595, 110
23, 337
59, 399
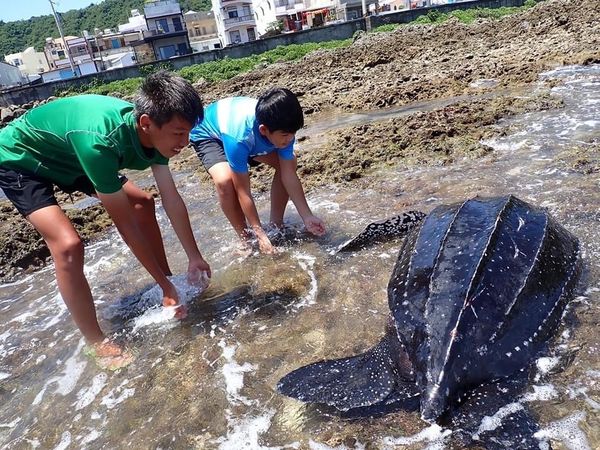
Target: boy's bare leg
66, 249
145, 214
279, 199
222, 177
279, 196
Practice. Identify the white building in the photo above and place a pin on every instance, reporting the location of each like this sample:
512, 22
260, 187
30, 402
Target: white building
112, 50
10, 76
235, 19
167, 34
28, 61
136, 22
58, 58
202, 30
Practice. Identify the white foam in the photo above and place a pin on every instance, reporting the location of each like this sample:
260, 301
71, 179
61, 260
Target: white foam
10, 424
307, 263
4, 375
246, 433
151, 302
87, 396
90, 437
490, 423
567, 432
65, 441
546, 364
541, 393
324, 204
73, 369
111, 399
234, 374
433, 434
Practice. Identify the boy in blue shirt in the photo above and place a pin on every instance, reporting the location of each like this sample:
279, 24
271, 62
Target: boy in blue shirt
239, 131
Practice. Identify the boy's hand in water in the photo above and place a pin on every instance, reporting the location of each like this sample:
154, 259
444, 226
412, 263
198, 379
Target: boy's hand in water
195, 269
314, 225
171, 298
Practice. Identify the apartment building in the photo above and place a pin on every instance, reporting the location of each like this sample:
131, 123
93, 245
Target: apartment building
28, 61
235, 19
166, 35
57, 53
10, 76
202, 30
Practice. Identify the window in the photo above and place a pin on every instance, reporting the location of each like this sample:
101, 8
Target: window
162, 25
247, 11
203, 30
197, 31
235, 37
177, 24
251, 34
232, 13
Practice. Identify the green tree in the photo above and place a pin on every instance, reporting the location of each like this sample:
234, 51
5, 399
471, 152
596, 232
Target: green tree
18, 35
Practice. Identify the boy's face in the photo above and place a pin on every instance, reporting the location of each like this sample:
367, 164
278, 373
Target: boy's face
169, 139
280, 139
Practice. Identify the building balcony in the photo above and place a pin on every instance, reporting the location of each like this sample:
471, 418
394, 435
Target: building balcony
242, 20
161, 8
154, 34
289, 4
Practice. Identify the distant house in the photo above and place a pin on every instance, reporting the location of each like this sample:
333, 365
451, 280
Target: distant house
135, 22
29, 61
10, 76
58, 59
113, 49
236, 21
166, 36
202, 30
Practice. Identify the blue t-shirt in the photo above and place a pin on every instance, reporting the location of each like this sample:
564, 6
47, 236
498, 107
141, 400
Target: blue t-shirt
233, 122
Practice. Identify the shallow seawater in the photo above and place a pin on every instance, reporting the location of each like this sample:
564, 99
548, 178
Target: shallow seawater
209, 381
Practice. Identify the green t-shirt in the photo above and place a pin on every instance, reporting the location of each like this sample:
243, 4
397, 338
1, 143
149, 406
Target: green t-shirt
84, 135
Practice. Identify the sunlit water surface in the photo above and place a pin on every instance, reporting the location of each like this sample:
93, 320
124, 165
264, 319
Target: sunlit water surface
209, 381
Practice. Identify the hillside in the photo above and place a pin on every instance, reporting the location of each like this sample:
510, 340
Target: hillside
18, 35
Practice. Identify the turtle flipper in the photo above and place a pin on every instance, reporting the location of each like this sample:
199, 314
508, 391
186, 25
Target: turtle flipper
490, 417
375, 232
358, 381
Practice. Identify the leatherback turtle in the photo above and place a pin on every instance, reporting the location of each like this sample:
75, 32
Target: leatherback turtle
477, 290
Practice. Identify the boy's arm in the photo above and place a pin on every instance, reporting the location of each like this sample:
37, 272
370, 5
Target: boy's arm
241, 182
179, 218
118, 208
292, 185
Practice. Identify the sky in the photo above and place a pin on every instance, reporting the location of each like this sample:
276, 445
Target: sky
24, 9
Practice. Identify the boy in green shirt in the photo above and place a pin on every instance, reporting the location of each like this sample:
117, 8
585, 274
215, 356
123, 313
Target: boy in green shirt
79, 144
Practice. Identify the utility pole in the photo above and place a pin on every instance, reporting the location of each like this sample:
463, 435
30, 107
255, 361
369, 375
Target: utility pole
60, 31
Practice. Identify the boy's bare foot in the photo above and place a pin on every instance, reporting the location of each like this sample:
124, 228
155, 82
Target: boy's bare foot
243, 249
106, 348
108, 355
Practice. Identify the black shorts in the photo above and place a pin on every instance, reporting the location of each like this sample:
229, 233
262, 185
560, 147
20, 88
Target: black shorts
29, 192
212, 152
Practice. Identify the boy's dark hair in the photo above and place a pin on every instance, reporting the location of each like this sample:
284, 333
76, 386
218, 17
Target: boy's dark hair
164, 95
279, 109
